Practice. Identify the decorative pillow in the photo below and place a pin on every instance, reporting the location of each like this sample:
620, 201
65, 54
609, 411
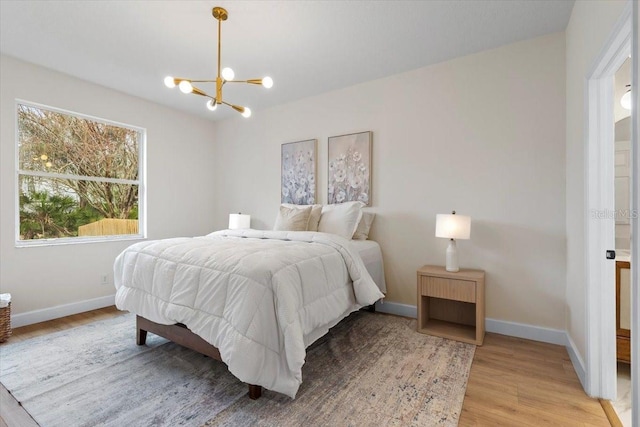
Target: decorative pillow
341, 219
314, 218
362, 232
292, 219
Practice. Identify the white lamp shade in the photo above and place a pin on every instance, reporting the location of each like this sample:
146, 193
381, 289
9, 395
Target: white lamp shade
451, 226
239, 221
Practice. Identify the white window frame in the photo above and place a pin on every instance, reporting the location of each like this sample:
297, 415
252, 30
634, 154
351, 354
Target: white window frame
141, 182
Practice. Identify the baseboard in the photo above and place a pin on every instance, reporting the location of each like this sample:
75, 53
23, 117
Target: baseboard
577, 362
396, 308
520, 330
529, 332
58, 311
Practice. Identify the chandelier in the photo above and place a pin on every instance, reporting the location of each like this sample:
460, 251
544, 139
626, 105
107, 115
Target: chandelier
226, 75
625, 101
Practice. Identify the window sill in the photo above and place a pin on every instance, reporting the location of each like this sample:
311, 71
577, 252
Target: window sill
76, 240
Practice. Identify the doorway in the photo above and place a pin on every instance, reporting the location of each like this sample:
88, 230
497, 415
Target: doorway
601, 366
622, 166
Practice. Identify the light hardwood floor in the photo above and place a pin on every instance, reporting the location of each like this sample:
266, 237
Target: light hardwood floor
526, 383
513, 382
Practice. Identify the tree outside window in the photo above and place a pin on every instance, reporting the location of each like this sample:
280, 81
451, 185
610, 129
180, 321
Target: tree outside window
78, 177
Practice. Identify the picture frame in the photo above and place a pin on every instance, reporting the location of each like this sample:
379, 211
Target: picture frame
298, 171
349, 168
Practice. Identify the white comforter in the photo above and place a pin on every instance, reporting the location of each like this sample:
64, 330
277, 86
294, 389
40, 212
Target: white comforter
260, 297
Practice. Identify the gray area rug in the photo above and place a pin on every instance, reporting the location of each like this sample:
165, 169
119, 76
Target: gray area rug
371, 369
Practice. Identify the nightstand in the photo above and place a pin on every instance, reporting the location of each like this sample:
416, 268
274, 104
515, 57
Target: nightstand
451, 305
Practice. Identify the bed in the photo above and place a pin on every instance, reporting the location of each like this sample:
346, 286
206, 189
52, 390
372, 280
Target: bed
253, 299
371, 255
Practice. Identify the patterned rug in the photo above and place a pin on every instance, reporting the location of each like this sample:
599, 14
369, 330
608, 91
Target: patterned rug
371, 369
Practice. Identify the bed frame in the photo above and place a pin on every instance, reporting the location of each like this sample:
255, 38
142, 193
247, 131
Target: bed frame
180, 334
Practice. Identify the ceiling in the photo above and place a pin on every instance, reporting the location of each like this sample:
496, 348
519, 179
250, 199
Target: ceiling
307, 47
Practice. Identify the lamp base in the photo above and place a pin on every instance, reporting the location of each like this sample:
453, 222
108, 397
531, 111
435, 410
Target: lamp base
452, 257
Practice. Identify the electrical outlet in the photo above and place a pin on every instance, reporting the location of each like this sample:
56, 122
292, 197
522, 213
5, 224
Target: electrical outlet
104, 279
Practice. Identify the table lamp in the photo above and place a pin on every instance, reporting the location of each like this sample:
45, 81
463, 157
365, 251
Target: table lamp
452, 226
239, 221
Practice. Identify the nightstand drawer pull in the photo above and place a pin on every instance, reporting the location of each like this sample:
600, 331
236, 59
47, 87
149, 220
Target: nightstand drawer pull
458, 290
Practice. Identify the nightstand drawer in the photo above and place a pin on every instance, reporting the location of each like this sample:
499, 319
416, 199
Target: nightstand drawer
452, 289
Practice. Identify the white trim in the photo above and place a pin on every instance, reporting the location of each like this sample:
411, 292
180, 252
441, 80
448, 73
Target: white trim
635, 221
35, 243
600, 379
529, 332
84, 116
78, 177
576, 360
58, 311
396, 308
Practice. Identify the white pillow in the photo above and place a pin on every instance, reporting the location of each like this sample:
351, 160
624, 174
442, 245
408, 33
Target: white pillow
292, 219
341, 219
314, 218
364, 226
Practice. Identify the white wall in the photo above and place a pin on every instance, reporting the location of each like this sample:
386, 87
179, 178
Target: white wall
482, 134
180, 180
589, 27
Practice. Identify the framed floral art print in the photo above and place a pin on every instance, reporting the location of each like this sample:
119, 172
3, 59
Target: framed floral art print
349, 177
298, 172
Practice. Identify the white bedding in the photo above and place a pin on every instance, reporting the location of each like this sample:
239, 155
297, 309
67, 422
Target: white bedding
371, 255
260, 297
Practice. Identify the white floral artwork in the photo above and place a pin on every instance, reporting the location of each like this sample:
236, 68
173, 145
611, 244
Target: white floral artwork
350, 168
298, 174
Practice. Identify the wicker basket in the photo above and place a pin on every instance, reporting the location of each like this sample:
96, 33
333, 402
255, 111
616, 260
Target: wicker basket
5, 323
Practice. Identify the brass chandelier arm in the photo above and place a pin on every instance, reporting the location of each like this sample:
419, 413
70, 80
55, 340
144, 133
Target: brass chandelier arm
197, 81
186, 85
238, 108
200, 92
177, 80
220, 14
250, 81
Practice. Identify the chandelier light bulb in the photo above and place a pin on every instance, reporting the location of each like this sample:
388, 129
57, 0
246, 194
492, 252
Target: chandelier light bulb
267, 82
625, 101
211, 105
169, 82
228, 74
247, 112
185, 87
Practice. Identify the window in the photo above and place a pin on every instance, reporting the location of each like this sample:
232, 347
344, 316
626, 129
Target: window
79, 178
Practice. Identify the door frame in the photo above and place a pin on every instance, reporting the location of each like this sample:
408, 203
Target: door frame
635, 221
601, 370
